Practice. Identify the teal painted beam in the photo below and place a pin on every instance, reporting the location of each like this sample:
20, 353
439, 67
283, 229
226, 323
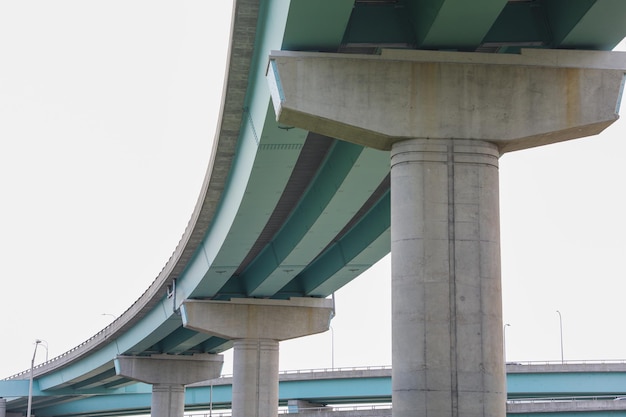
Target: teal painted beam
566, 384
321, 275
337, 390
336, 167
316, 25
521, 24
329, 389
104, 405
587, 24
380, 24
453, 24
14, 388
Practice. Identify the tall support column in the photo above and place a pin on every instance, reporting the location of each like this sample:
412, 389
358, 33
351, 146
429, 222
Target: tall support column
3, 407
168, 400
446, 294
257, 326
255, 377
168, 375
447, 345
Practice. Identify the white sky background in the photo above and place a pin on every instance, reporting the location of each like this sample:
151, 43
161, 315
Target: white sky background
107, 112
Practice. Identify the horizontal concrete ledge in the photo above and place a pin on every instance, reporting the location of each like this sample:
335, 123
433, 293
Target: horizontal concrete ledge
513, 368
348, 373
379, 411
563, 406
292, 302
560, 58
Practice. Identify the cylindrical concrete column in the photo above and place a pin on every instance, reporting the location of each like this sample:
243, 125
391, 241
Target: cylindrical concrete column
168, 375
168, 400
256, 327
255, 378
3, 407
446, 305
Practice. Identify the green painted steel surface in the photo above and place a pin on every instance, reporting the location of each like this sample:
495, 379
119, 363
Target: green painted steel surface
497, 25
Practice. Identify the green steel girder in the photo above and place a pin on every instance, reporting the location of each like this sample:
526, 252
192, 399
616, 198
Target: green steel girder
586, 24
188, 341
487, 25
343, 251
314, 202
316, 25
453, 24
380, 24
422, 24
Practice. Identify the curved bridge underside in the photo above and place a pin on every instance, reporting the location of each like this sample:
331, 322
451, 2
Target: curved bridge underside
284, 212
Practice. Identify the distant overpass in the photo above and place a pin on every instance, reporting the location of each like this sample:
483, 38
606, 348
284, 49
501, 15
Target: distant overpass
288, 212
533, 388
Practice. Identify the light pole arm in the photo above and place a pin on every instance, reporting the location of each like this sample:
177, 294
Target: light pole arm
30, 381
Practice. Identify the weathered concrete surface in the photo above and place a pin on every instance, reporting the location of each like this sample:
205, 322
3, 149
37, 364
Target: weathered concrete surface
168, 375
544, 368
255, 378
357, 412
171, 369
447, 117
251, 318
515, 101
446, 294
564, 406
257, 326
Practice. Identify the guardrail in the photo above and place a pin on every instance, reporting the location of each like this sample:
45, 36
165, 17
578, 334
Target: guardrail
571, 362
564, 399
285, 410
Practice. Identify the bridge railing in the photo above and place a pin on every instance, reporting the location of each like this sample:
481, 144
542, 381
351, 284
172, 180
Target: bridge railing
537, 400
285, 410
571, 362
336, 369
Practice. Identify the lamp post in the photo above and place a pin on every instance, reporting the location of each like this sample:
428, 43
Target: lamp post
30, 381
561, 329
504, 342
44, 344
332, 348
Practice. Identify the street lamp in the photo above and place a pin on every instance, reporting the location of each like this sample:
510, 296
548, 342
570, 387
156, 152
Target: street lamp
30, 382
44, 344
561, 328
332, 348
504, 341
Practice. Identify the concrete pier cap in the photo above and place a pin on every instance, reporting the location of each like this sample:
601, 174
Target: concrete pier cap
170, 369
516, 101
252, 318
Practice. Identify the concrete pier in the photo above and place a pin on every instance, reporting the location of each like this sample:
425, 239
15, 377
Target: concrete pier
257, 326
446, 117
446, 294
168, 375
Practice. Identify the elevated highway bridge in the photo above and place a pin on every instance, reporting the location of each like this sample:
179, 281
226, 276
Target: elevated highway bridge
533, 388
291, 209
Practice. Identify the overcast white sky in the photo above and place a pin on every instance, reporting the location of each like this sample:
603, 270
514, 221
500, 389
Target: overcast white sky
107, 111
